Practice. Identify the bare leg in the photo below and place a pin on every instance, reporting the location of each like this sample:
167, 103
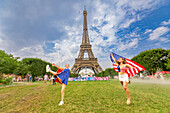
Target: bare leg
121, 82
127, 91
129, 82
54, 73
62, 91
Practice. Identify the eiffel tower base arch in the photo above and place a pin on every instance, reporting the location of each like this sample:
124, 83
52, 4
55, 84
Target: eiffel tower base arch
86, 64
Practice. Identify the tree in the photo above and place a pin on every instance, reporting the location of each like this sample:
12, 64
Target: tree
22, 69
82, 74
108, 72
7, 63
35, 66
152, 59
90, 73
72, 75
167, 64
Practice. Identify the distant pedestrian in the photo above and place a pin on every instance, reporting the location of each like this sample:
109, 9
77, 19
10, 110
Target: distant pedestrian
53, 80
50, 79
141, 76
30, 78
45, 78
14, 79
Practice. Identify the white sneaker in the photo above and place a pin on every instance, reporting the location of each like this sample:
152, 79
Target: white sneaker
47, 68
61, 103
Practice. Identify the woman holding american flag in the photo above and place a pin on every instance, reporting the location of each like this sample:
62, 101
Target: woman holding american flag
125, 68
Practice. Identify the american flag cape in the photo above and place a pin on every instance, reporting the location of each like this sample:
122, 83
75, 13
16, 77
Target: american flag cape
59, 71
130, 71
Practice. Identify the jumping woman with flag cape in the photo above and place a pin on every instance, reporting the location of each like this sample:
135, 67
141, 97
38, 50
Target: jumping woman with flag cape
126, 68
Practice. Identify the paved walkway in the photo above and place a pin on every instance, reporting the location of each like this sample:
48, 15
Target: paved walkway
18, 84
153, 81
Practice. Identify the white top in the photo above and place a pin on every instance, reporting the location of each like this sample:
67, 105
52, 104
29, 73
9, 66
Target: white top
141, 75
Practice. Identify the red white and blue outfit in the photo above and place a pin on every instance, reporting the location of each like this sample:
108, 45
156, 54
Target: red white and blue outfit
63, 76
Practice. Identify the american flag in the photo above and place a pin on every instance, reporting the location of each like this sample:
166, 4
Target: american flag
59, 71
130, 71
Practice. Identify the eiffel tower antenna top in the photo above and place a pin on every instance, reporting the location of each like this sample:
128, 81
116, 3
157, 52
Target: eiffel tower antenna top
85, 37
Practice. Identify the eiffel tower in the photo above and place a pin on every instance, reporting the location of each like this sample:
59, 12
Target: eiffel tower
88, 61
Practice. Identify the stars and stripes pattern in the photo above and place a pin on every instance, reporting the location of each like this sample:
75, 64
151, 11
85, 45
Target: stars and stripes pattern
130, 71
57, 79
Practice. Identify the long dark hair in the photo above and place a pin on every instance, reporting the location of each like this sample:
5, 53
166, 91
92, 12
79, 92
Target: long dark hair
124, 61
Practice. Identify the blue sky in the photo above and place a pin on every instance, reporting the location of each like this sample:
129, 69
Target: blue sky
52, 30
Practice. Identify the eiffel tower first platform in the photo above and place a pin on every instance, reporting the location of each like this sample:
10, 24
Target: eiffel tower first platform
89, 62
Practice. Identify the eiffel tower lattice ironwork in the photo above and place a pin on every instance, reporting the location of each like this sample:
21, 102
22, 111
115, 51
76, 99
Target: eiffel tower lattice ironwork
88, 62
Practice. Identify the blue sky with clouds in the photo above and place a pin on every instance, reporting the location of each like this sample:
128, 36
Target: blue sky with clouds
52, 29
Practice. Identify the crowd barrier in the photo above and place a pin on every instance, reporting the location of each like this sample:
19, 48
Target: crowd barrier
88, 78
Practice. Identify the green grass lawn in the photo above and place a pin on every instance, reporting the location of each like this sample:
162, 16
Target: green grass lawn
92, 96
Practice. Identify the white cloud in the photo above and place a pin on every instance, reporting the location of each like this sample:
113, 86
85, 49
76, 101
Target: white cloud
139, 4
65, 51
1, 41
163, 39
130, 45
127, 10
157, 33
35, 52
148, 31
127, 23
134, 33
166, 23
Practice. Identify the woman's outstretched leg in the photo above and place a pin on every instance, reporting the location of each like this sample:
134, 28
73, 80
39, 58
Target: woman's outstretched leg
127, 91
121, 82
48, 69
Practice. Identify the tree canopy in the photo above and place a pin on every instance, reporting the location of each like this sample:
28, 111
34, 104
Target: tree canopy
108, 72
7, 63
154, 59
35, 66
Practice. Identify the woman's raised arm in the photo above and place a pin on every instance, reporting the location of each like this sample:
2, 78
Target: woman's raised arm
57, 66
